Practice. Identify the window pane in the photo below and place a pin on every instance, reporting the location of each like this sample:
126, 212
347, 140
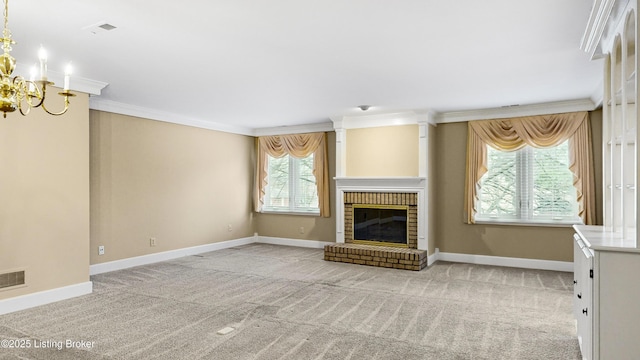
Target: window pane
306, 190
498, 186
291, 185
528, 185
277, 192
554, 196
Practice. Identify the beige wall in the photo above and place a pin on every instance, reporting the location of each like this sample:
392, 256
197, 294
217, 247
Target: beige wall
44, 190
454, 236
596, 132
179, 184
432, 189
315, 227
383, 151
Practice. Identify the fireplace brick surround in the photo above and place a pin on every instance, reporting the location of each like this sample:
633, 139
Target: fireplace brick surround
382, 198
409, 258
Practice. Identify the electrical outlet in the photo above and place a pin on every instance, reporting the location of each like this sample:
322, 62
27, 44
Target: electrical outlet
101, 250
152, 241
301, 230
229, 228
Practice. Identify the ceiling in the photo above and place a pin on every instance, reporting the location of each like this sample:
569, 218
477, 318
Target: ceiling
244, 65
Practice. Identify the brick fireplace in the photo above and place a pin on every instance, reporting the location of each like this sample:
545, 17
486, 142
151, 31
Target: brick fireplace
382, 198
404, 191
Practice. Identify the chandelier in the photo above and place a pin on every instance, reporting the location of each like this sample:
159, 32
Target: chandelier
17, 93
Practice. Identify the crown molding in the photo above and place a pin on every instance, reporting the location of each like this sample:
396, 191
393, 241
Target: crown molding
597, 97
380, 120
595, 27
146, 113
605, 17
80, 84
357, 121
516, 111
91, 87
295, 129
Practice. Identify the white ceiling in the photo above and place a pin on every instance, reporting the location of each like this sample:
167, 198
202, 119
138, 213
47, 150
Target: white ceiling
256, 64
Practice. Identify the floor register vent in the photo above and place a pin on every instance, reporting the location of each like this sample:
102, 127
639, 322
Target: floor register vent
11, 279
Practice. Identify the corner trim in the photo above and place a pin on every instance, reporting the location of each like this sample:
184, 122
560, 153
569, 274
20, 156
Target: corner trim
431, 259
165, 255
506, 261
27, 301
314, 244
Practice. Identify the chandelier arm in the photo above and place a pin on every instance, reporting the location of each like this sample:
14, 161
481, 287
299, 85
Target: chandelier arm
30, 90
24, 113
66, 105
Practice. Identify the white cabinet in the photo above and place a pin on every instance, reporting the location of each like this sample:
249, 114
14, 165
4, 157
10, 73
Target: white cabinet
612, 34
619, 125
583, 295
607, 305
606, 294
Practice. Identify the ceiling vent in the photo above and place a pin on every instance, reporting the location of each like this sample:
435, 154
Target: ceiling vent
100, 27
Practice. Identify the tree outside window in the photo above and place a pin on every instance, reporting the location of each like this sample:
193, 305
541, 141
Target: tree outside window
291, 185
528, 185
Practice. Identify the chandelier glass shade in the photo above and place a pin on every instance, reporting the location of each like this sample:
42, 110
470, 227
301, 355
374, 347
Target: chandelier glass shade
18, 93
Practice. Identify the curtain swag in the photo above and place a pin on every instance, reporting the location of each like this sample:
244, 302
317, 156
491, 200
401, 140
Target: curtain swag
298, 146
539, 132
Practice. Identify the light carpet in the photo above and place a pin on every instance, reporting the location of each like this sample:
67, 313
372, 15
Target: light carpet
287, 303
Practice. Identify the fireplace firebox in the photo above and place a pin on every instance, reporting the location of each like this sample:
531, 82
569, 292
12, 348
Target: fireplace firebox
380, 224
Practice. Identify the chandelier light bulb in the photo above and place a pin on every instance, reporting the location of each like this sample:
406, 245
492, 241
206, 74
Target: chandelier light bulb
42, 55
67, 72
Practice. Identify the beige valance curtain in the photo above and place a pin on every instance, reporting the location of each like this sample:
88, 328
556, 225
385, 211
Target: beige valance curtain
298, 146
540, 132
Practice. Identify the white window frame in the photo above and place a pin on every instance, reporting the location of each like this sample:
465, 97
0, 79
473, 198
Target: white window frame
292, 209
524, 199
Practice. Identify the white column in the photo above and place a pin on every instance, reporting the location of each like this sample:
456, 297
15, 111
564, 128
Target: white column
341, 171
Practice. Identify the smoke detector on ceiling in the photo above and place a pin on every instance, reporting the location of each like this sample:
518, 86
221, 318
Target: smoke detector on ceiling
99, 27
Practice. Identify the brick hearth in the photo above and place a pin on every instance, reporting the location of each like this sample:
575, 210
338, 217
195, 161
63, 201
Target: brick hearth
389, 257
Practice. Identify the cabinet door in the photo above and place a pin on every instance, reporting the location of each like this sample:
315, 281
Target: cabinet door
619, 313
583, 295
586, 310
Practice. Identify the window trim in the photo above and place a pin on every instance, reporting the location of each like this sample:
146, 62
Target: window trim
293, 174
524, 176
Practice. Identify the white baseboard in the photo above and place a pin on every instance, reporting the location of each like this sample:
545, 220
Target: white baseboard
315, 244
166, 255
506, 261
433, 257
24, 302
178, 253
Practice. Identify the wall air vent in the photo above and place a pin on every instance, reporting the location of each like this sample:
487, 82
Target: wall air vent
12, 279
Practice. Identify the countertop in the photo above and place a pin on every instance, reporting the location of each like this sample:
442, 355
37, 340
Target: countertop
603, 239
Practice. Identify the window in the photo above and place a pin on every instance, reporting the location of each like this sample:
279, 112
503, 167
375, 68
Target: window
529, 185
291, 185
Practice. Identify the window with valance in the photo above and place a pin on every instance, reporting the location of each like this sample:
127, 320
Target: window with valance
292, 174
530, 150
